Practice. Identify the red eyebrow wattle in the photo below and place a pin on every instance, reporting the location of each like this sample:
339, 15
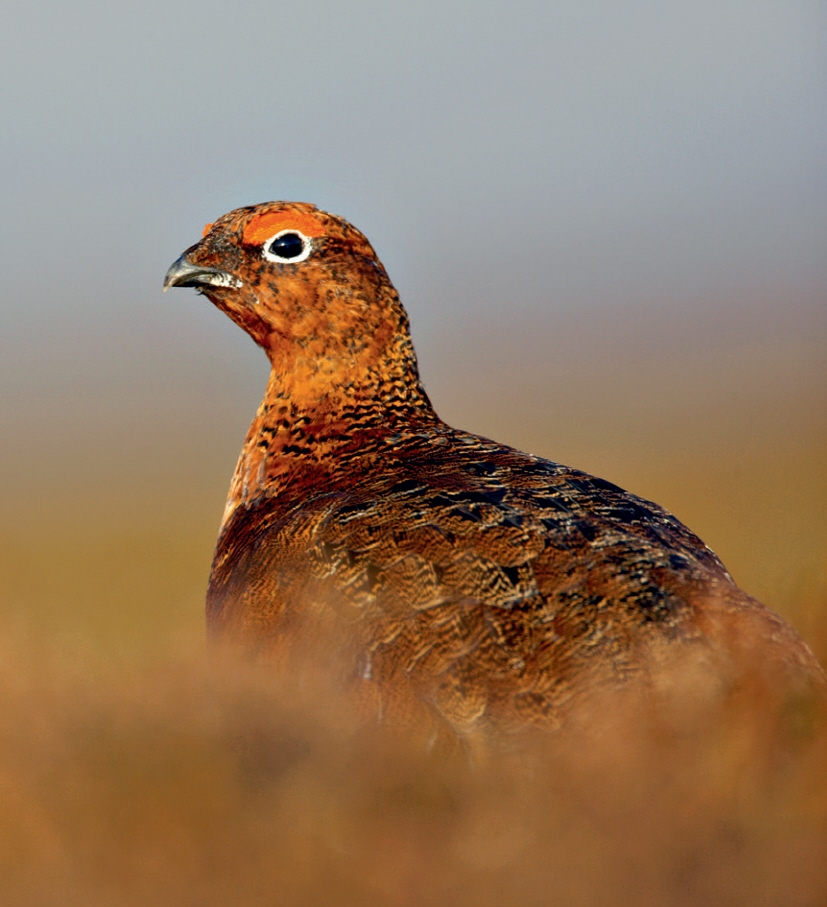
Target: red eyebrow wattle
266, 225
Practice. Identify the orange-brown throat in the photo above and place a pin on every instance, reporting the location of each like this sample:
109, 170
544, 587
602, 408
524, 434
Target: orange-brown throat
328, 403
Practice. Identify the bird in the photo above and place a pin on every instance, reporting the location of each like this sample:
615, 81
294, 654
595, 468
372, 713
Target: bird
445, 575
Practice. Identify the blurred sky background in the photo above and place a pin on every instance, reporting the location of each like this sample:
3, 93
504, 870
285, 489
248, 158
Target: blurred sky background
607, 221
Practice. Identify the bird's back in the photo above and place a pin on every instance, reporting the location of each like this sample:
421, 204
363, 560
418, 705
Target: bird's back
493, 586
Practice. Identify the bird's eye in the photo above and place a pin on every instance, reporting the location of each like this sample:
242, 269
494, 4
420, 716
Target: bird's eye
287, 246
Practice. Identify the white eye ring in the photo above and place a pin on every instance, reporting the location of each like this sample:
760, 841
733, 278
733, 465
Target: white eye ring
273, 256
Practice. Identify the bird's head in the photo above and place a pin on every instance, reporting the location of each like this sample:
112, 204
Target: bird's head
305, 285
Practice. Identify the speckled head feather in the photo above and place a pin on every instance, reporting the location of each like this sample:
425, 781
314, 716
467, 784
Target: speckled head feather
334, 312
455, 578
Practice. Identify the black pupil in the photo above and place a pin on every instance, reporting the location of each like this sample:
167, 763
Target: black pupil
288, 245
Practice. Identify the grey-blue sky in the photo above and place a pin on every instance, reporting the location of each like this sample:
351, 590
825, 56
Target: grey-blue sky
528, 157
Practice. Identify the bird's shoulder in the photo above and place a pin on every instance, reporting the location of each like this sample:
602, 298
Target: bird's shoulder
492, 584
448, 516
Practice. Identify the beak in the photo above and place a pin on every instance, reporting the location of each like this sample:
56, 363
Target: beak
183, 273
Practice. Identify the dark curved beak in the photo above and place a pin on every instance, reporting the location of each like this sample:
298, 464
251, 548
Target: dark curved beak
183, 273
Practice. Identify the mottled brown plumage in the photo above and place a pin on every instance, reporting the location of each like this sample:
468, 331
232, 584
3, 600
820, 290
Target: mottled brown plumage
443, 573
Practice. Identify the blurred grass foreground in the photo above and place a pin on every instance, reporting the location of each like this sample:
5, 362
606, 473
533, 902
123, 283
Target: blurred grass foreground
178, 784
135, 771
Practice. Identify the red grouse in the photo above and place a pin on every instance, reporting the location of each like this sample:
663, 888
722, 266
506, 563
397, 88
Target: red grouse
443, 571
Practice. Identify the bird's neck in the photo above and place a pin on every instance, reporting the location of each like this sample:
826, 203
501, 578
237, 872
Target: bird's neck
319, 415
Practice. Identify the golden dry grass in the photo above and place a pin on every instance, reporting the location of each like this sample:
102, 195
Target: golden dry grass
176, 783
